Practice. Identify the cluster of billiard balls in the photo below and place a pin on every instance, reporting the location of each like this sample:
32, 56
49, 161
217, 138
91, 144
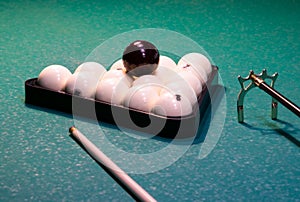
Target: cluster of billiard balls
143, 80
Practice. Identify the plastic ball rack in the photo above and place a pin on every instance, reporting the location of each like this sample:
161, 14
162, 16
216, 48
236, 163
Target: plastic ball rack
173, 127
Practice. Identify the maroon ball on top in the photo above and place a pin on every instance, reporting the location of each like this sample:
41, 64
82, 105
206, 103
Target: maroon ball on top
140, 58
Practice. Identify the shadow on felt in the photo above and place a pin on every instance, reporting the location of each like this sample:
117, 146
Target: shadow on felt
288, 131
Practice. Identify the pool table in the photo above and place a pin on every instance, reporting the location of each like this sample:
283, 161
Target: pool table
258, 160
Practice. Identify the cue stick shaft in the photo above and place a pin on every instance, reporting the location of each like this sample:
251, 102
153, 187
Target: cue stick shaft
134, 189
280, 98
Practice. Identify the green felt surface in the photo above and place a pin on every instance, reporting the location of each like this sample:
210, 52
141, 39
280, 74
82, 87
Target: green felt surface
250, 162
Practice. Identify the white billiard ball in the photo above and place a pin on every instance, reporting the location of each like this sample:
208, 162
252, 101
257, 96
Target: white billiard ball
118, 65
112, 91
187, 67
200, 61
166, 61
181, 87
97, 69
165, 73
54, 77
114, 73
82, 84
191, 79
199, 64
147, 80
141, 97
118, 74
172, 105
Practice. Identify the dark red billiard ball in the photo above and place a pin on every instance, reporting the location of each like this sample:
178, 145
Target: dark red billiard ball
140, 58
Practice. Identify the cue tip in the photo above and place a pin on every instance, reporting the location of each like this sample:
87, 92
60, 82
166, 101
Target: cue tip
72, 129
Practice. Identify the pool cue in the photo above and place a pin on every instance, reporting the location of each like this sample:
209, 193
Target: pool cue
123, 179
283, 100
